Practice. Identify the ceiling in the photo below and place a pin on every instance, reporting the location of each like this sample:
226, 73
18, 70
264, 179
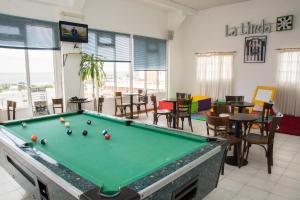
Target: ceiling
204, 4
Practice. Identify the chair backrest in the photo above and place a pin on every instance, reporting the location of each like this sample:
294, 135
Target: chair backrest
142, 97
274, 126
184, 106
220, 108
100, 104
118, 98
154, 102
266, 111
11, 107
231, 99
58, 103
217, 124
183, 95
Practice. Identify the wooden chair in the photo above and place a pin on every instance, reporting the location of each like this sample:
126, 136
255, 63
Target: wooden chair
264, 119
231, 99
184, 110
58, 104
266, 142
157, 112
234, 99
41, 108
221, 128
11, 107
119, 104
142, 101
100, 104
183, 95
218, 109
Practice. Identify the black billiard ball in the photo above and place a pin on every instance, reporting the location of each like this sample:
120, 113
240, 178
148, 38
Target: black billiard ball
43, 141
84, 132
23, 124
69, 132
89, 122
104, 131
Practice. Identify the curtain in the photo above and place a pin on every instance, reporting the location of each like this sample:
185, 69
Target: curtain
25, 33
149, 54
288, 83
214, 75
114, 47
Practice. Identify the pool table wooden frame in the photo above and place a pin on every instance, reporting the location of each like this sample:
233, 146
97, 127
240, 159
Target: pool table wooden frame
36, 171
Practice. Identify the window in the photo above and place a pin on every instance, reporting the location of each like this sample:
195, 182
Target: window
41, 75
26, 76
123, 77
288, 84
13, 81
214, 73
116, 50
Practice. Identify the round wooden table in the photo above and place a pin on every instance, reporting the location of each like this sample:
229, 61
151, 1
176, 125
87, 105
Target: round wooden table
239, 119
131, 116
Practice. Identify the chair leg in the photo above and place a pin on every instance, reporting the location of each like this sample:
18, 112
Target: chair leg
182, 122
190, 122
116, 111
138, 109
248, 148
269, 162
146, 110
223, 161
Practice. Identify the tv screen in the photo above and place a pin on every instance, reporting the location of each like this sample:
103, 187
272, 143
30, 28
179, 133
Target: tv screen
73, 32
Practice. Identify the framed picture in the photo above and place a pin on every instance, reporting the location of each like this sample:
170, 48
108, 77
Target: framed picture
284, 23
255, 49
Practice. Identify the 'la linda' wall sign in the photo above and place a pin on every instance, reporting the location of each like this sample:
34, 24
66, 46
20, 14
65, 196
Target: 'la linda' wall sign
283, 23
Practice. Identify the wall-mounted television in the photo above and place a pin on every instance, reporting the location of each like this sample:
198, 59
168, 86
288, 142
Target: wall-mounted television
73, 32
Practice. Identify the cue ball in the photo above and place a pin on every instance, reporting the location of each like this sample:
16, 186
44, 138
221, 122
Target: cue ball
23, 124
43, 141
107, 136
69, 132
67, 124
104, 132
34, 138
89, 122
84, 132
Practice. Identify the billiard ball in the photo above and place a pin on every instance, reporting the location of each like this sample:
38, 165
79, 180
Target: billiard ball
69, 132
89, 122
84, 132
104, 132
43, 141
67, 124
62, 120
107, 136
34, 138
23, 124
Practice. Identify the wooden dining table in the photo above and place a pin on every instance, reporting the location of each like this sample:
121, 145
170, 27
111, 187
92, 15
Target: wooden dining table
239, 120
241, 105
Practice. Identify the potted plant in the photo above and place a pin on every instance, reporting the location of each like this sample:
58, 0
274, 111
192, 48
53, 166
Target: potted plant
91, 67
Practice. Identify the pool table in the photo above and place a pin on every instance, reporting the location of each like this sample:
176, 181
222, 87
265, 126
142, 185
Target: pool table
139, 161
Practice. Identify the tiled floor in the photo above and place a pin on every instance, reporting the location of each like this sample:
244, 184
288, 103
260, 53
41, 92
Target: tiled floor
251, 182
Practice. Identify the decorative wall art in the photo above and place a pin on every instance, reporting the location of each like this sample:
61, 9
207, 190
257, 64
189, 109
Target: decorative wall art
255, 49
284, 23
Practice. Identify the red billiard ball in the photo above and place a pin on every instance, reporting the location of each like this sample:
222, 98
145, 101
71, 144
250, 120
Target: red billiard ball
107, 136
34, 138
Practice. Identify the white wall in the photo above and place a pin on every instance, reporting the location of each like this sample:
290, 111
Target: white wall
205, 32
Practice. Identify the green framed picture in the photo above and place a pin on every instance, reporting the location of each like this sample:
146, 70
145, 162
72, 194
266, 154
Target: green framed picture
284, 23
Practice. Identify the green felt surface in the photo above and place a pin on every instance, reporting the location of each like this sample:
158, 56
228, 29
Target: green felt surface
133, 151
